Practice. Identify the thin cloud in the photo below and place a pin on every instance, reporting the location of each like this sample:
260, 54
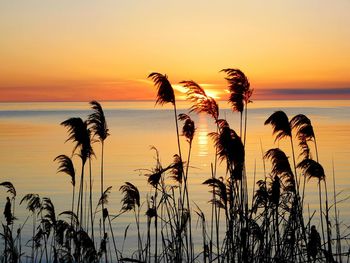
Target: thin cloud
303, 93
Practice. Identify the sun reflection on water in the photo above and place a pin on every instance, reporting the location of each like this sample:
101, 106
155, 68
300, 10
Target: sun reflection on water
202, 135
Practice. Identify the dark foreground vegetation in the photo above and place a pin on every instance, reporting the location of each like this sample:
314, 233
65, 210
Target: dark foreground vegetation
271, 226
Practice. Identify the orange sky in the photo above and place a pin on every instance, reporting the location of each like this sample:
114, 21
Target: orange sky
83, 50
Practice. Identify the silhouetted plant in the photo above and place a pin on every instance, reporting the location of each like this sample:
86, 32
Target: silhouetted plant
12, 191
314, 245
305, 132
66, 166
229, 148
312, 169
48, 223
33, 205
176, 169
8, 213
99, 128
89, 253
202, 103
165, 94
131, 201
299, 122
188, 128
280, 125
154, 179
240, 97
11, 253
282, 128
281, 167
80, 134
290, 203
188, 131
239, 88
220, 192
240, 94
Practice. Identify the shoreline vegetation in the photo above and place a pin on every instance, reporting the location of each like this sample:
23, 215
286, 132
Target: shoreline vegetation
274, 225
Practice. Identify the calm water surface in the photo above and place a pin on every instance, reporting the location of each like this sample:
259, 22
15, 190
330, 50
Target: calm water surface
31, 137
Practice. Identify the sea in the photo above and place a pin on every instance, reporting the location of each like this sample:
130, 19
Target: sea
31, 137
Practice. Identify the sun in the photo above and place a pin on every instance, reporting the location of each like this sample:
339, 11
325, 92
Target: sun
215, 94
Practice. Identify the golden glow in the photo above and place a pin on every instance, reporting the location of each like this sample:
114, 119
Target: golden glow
87, 50
181, 91
212, 93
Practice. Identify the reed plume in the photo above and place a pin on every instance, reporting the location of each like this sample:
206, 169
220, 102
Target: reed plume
201, 101
304, 132
280, 125
312, 169
239, 87
97, 122
176, 169
281, 167
188, 129
131, 197
80, 135
229, 148
104, 197
131, 201
220, 192
165, 92
240, 94
66, 166
10, 189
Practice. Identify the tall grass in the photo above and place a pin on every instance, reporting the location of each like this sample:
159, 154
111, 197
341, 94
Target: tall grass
268, 226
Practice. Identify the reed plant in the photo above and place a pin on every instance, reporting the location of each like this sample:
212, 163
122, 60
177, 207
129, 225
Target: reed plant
99, 128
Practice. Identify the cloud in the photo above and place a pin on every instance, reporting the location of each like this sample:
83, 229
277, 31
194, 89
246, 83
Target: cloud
331, 91
302, 93
79, 91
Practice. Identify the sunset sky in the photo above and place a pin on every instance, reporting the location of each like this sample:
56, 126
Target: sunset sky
81, 50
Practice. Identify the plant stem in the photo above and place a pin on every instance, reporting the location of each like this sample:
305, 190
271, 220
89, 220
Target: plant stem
91, 218
103, 221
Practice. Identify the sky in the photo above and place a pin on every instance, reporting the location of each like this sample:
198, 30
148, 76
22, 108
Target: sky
82, 50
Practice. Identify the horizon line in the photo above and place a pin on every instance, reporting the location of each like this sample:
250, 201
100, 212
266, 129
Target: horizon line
153, 100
